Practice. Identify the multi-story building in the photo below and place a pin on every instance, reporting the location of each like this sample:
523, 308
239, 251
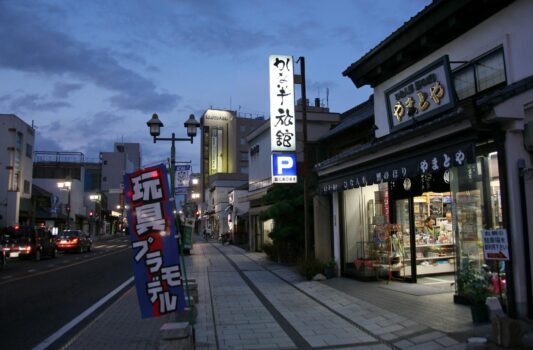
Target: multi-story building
125, 158
16, 168
453, 106
319, 121
66, 179
224, 162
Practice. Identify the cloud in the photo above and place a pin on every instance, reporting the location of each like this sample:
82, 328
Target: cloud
35, 102
30, 45
63, 90
145, 102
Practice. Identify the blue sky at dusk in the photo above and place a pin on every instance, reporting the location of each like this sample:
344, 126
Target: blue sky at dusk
91, 73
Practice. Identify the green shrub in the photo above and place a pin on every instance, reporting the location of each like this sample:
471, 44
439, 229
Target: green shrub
310, 267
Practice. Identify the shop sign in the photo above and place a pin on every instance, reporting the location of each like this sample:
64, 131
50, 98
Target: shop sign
157, 269
284, 168
453, 156
182, 178
423, 95
495, 244
282, 114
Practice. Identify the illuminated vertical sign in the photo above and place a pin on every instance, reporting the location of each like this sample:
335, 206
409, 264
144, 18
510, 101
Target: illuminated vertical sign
214, 150
282, 117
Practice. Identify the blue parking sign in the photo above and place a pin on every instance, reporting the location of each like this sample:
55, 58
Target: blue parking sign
284, 168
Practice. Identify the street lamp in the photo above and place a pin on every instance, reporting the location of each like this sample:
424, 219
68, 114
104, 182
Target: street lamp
155, 125
66, 186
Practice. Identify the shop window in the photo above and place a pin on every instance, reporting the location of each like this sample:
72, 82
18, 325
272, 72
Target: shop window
365, 210
480, 75
476, 192
26, 187
29, 150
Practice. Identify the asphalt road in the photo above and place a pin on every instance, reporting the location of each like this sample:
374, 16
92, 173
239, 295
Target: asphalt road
39, 297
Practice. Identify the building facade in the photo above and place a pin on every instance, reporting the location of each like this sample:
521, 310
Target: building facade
125, 158
62, 178
224, 163
447, 180
16, 169
319, 121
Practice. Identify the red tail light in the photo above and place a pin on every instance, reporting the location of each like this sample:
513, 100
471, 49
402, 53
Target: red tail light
75, 240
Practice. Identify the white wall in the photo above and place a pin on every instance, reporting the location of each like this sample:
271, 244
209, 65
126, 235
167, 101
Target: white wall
511, 27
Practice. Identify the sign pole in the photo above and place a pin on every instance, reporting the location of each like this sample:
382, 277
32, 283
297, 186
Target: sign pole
180, 233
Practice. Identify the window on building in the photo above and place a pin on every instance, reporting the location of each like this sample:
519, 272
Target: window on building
104, 179
26, 187
244, 170
479, 75
244, 156
29, 150
105, 162
243, 141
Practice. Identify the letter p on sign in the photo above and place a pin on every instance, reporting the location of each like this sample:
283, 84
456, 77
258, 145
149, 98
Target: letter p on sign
284, 167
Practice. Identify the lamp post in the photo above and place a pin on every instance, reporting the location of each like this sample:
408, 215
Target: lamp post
66, 186
192, 125
155, 125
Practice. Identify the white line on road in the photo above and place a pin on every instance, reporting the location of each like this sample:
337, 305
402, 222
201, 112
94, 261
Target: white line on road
51, 339
32, 270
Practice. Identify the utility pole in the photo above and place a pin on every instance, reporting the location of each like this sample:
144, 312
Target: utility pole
301, 59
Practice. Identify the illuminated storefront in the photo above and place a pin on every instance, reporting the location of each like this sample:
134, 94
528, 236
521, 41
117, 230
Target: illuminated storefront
450, 159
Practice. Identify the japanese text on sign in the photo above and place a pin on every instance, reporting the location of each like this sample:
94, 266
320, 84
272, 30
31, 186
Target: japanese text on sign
282, 114
155, 253
424, 94
495, 244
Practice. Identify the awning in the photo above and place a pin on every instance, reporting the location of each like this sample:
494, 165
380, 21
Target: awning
423, 160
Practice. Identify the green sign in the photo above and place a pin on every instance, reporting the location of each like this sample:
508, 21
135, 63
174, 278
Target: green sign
188, 229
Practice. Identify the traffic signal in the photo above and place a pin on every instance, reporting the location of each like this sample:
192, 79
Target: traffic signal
91, 214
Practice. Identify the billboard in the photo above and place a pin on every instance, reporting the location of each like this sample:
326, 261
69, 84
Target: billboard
156, 263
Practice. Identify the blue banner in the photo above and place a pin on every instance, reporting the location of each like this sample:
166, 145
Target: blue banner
156, 263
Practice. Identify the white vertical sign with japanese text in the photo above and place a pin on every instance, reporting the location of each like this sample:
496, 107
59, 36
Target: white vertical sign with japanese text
282, 117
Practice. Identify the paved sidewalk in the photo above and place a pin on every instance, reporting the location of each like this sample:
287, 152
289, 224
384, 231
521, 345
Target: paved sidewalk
248, 302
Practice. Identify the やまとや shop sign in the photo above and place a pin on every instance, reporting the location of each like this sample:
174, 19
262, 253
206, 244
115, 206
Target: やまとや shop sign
421, 96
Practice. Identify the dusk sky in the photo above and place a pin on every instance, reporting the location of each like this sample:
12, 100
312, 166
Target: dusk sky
91, 73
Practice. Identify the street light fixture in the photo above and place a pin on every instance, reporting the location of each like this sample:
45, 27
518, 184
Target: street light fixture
155, 126
66, 186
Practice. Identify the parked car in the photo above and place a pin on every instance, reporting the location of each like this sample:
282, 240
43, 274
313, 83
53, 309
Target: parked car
28, 242
74, 241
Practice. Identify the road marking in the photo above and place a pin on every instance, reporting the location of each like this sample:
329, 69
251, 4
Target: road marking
69, 264
58, 334
6, 277
32, 270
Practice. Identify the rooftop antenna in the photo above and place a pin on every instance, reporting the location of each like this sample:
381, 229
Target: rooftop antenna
33, 126
230, 103
327, 97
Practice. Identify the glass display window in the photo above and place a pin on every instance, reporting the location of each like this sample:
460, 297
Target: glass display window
365, 212
477, 206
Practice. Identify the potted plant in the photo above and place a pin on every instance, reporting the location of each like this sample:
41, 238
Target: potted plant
329, 268
475, 286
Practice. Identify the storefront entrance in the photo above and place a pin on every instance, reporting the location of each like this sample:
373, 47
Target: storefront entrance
425, 226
